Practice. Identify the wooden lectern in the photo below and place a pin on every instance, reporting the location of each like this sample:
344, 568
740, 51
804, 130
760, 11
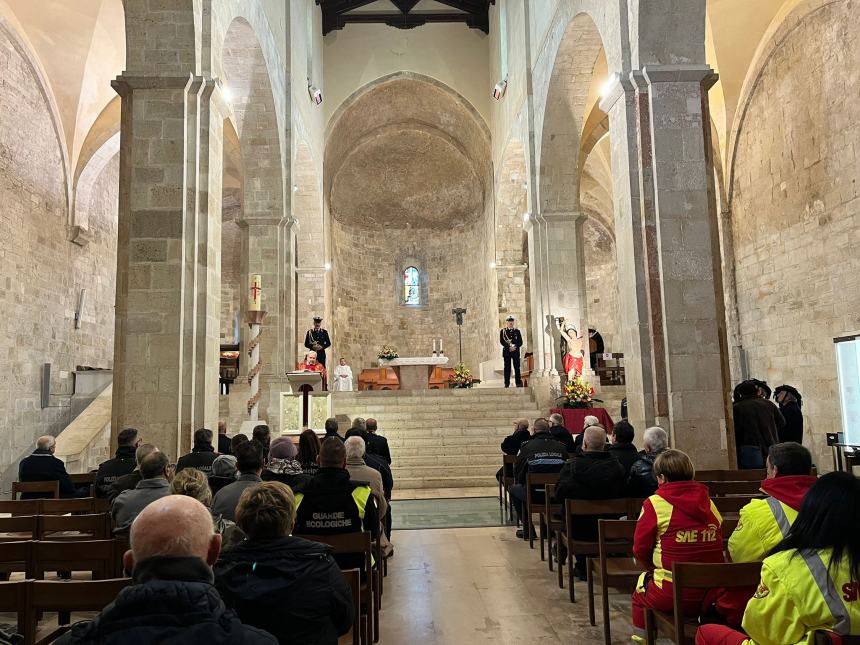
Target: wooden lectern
303, 383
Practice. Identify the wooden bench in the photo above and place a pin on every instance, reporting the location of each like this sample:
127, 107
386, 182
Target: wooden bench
725, 488
44, 489
682, 629
754, 474
50, 506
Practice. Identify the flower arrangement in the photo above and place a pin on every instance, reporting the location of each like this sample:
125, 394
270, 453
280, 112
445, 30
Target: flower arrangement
577, 393
462, 378
388, 353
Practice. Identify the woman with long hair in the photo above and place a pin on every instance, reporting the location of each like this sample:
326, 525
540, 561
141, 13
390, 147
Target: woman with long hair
811, 580
309, 449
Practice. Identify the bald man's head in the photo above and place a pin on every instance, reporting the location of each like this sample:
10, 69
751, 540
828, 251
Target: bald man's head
174, 526
594, 439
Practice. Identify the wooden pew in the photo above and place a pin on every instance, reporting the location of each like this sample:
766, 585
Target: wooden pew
45, 489
755, 474
724, 488
682, 629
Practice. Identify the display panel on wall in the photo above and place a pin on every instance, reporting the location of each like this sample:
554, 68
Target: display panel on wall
848, 368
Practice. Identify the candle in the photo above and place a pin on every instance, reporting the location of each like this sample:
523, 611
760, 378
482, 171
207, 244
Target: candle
255, 292
440, 345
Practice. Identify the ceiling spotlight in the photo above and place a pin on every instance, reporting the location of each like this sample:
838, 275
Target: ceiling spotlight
315, 93
500, 88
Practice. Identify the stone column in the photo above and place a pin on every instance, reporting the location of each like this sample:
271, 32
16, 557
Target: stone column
687, 248
541, 343
622, 105
168, 258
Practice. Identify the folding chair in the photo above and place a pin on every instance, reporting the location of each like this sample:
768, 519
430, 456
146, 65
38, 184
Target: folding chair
686, 575
44, 489
613, 536
358, 542
65, 598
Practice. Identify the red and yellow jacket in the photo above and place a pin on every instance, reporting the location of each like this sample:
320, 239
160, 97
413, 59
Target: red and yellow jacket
677, 524
765, 522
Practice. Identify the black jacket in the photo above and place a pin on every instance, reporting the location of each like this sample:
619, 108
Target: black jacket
378, 445
513, 442
591, 475
200, 458
224, 445
112, 469
124, 483
758, 422
378, 463
642, 482
793, 430
172, 601
540, 454
296, 481
290, 587
327, 506
514, 337
626, 454
42, 466
560, 434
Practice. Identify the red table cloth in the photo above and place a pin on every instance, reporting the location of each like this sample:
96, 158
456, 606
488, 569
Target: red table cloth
575, 417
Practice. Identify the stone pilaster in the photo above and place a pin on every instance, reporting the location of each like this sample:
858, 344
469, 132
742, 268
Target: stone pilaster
168, 258
513, 296
687, 247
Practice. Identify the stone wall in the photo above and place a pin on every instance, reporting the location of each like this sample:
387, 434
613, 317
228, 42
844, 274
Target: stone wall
796, 212
41, 272
601, 275
367, 309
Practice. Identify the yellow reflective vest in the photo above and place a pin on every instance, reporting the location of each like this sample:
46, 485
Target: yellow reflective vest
762, 525
797, 595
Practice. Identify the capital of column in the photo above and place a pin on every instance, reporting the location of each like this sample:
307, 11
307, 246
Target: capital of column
564, 217
125, 84
702, 74
616, 87
249, 221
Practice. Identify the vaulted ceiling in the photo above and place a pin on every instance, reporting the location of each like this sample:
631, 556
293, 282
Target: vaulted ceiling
404, 14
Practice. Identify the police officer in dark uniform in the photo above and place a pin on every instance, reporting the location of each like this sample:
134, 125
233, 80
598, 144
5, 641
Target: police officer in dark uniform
511, 340
317, 340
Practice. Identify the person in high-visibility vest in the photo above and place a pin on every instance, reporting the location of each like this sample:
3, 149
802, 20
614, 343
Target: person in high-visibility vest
678, 524
764, 523
812, 580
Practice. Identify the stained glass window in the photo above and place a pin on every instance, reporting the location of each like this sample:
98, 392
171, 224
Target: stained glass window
411, 287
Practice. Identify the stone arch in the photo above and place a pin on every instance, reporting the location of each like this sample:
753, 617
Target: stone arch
84, 183
779, 31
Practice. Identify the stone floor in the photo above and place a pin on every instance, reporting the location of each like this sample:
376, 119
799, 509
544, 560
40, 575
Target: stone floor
462, 512
436, 493
482, 585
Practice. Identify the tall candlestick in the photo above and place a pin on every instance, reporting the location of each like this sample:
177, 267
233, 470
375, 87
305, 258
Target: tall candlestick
255, 293
440, 346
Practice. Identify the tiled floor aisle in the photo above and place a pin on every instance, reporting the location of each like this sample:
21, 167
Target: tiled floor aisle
482, 585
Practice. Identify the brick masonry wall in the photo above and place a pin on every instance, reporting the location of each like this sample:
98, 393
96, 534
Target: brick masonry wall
601, 276
41, 272
796, 213
366, 303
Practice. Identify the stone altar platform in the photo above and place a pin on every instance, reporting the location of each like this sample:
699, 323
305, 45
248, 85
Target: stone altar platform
414, 372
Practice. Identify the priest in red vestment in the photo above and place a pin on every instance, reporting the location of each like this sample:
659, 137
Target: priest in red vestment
310, 364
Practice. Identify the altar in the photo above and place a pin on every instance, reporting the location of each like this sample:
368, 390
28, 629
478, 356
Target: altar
413, 372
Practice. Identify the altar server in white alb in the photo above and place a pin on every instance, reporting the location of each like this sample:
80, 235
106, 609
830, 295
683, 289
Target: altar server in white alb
343, 377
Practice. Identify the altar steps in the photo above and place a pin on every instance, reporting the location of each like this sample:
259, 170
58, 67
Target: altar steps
441, 438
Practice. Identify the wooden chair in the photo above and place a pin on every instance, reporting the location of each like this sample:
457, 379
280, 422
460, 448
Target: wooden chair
20, 506
96, 556
528, 368
679, 628
19, 528
723, 488
16, 557
64, 506
13, 600
508, 463
553, 516
358, 542
536, 483
353, 577
85, 479
95, 526
755, 474
45, 489
613, 536
608, 509
731, 506
65, 598
823, 637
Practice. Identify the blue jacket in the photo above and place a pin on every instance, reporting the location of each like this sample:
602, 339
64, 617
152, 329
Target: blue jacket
172, 601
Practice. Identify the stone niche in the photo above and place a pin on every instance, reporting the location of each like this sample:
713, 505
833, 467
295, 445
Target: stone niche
407, 182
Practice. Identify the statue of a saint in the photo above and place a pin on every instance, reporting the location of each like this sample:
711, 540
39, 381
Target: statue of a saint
572, 350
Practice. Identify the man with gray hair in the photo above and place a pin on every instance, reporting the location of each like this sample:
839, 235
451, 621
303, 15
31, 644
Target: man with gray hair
156, 474
642, 482
361, 473
560, 433
171, 599
43, 466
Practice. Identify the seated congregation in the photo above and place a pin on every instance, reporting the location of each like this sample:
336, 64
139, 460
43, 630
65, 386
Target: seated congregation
260, 541
766, 556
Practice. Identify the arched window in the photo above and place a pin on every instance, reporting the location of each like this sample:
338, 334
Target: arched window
411, 287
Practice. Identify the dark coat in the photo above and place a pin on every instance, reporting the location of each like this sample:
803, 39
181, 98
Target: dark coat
758, 422
626, 454
296, 481
171, 602
642, 482
290, 587
200, 458
124, 483
378, 463
112, 469
378, 445
591, 475
42, 466
540, 454
793, 430
560, 434
513, 442
224, 445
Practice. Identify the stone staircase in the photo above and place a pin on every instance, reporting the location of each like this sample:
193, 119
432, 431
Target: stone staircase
442, 438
